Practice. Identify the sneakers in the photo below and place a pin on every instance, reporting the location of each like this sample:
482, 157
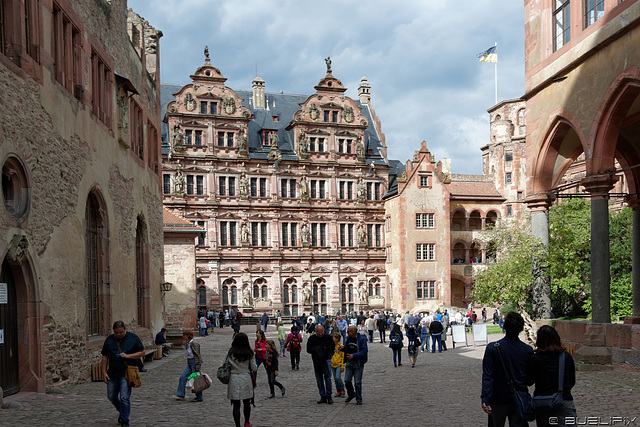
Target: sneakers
179, 397
284, 389
248, 425
340, 394
271, 396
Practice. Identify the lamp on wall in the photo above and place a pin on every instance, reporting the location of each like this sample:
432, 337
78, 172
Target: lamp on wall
166, 286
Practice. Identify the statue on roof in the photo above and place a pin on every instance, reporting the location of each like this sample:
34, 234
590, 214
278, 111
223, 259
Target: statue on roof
327, 61
206, 52
274, 140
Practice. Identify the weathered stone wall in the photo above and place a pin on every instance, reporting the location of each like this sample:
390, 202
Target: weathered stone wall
180, 270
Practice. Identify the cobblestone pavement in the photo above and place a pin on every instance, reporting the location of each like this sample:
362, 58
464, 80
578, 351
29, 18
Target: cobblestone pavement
442, 390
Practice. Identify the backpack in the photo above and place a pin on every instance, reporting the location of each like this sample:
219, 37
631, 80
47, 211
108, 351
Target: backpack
395, 341
295, 343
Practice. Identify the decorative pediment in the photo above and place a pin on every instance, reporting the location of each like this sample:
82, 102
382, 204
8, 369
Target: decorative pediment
261, 270
349, 269
230, 270
320, 269
194, 214
227, 126
209, 96
330, 105
229, 215
375, 269
258, 217
346, 133
317, 131
202, 271
291, 270
194, 123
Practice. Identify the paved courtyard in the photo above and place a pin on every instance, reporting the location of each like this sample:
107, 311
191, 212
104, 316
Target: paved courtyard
442, 390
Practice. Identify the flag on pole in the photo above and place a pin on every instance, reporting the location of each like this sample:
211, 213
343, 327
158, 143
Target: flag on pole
489, 55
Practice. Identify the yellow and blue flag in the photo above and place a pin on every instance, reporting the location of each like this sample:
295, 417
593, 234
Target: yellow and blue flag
489, 55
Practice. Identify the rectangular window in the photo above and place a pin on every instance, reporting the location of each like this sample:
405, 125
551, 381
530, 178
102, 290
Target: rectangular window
425, 252
376, 191
188, 137
67, 43
316, 144
223, 233
425, 181
254, 234
220, 139
508, 156
203, 107
313, 188
283, 188
190, 184
293, 232
232, 233
507, 178
263, 233
519, 195
285, 233
561, 23
369, 235
426, 289
153, 148
199, 185
230, 138
344, 146
202, 237
254, 187
323, 234
263, 187
343, 235
321, 193
198, 137
292, 188
318, 234
102, 87
334, 116
326, 116
166, 183
387, 251
378, 235
222, 186
349, 190
369, 190
266, 137
593, 10
136, 130
350, 235
213, 107
509, 211
425, 220
232, 186
341, 186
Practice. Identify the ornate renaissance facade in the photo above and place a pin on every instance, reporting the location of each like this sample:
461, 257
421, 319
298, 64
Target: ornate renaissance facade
289, 190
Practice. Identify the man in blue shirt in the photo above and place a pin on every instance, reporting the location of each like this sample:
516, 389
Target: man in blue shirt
120, 349
355, 356
497, 401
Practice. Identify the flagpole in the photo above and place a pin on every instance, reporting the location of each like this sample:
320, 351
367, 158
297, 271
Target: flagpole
496, 73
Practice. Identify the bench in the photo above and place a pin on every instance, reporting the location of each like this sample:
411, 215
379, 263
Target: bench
149, 353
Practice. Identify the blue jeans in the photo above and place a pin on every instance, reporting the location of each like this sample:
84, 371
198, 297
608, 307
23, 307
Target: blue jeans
425, 342
353, 371
119, 386
281, 346
397, 351
436, 338
182, 382
344, 336
323, 378
337, 376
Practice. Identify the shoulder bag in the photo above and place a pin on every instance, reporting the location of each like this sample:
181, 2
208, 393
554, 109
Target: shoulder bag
131, 374
552, 401
224, 371
522, 399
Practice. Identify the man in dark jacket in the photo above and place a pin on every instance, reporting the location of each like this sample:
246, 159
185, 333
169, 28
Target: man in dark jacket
497, 401
355, 356
321, 348
435, 329
264, 320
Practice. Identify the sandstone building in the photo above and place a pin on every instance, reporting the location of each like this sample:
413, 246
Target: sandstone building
81, 212
288, 189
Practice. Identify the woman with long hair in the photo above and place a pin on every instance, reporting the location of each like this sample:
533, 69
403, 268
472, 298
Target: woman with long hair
293, 343
414, 345
271, 365
240, 387
260, 348
543, 369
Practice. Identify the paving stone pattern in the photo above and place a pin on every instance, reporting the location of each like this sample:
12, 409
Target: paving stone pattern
442, 390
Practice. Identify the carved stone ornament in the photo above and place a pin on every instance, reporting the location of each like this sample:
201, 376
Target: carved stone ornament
189, 102
314, 112
123, 111
246, 297
347, 114
229, 105
18, 249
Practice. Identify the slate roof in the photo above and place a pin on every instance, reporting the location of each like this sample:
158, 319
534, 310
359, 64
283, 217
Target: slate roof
397, 168
173, 222
282, 106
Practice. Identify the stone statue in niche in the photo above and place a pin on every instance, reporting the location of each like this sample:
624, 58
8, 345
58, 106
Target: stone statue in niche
303, 189
347, 114
244, 185
179, 183
274, 140
359, 150
244, 233
362, 234
327, 61
178, 139
189, 102
314, 112
363, 293
229, 105
360, 189
242, 144
303, 145
123, 111
304, 233
246, 296
306, 295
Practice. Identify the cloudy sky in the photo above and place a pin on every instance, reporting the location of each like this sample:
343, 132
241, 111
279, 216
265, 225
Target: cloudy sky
419, 57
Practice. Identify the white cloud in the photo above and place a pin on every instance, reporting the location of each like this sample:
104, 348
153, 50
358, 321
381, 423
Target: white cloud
419, 57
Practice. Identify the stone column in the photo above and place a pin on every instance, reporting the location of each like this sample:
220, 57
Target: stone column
598, 186
541, 288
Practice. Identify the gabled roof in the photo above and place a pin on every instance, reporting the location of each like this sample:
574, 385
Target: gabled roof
175, 223
474, 190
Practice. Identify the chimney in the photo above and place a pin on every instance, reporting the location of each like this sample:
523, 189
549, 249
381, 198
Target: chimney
258, 93
364, 90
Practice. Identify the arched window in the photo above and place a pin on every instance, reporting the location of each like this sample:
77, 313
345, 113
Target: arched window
315, 293
343, 293
202, 296
458, 220
91, 262
294, 294
350, 292
225, 295
141, 280
323, 293
265, 291
256, 291
285, 294
234, 295
521, 117
475, 221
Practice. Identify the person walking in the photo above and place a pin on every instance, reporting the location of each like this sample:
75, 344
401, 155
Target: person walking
424, 334
281, 337
321, 348
264, 321
342, 326
240, 387
370, 324
293, 343
381, 323
413, 345
194, 361
435, 328
497, 402
120, 350
396, 342
543, 371
361, 328
337, 364
356, 355
271, 365
445, 327
260, 349
203, 326
235, 323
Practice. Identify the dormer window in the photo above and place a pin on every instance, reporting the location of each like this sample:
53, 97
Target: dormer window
331, 116
266, 137
207, 107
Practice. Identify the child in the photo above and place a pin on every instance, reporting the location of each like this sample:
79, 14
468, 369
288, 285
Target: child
294, 345
271, 365
281, 337
337, 364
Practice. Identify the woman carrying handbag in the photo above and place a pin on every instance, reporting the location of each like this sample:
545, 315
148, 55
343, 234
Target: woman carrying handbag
240, 387
193, 365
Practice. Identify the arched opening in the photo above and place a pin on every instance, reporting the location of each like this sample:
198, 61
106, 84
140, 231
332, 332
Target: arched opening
459, 253
475, 253
142, 280
475, 221
346, 285
458, 220
491, 220
96, 235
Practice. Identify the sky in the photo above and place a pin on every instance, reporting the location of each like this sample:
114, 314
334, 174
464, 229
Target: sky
419, 57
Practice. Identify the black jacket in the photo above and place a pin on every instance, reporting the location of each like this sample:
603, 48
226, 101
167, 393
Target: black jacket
320, 348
